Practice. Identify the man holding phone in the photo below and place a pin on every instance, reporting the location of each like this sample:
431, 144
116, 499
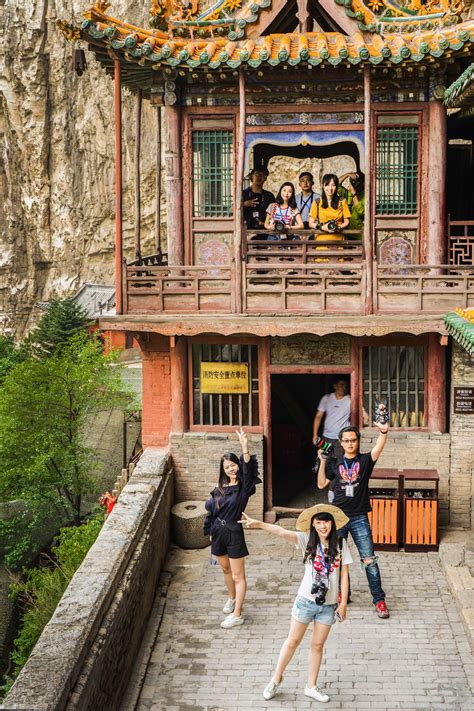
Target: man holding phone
350, 492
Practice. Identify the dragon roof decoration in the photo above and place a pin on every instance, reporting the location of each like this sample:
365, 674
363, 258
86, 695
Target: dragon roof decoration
230, 18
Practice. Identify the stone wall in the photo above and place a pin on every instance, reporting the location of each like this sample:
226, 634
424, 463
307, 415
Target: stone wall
417, 450
462, 437
84, 656
196, 457
57, 161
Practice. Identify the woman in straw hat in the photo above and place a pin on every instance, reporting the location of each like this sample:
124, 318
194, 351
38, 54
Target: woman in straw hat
326, 559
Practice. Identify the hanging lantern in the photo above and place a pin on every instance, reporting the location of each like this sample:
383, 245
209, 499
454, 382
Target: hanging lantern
79, 63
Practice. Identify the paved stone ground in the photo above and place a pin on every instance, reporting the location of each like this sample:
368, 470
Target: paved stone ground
418, 659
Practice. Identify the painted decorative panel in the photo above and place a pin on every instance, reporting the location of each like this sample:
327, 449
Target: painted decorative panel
396, 246
311, 350
212, 249
304, 118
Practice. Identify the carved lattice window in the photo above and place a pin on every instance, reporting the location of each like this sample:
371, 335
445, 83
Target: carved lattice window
213, 173
398, 374
397, 170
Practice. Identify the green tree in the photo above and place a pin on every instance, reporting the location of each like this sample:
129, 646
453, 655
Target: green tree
63, 319
10, 355
44, 460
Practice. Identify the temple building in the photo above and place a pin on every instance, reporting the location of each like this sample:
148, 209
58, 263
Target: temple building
238, 330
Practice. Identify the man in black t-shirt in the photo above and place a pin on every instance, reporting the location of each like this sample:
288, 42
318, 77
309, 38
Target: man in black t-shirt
256, 200
350, 492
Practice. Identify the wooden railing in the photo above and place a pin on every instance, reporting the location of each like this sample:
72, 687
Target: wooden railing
422, 288
158, 289
298, 277
300, 247
311, 288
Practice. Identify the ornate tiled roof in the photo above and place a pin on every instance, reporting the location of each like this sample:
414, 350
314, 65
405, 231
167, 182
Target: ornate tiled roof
232, 17
155, 47
460, 325
461, 89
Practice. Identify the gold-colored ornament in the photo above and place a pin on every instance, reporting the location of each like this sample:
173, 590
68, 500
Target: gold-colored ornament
70, 32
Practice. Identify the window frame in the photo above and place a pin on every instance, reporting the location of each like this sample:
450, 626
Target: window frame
234, 340
229, 129
400, 123
415, 341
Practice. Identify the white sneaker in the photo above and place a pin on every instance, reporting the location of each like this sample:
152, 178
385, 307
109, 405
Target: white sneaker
229, 606
271, 689
232, 621
316, 694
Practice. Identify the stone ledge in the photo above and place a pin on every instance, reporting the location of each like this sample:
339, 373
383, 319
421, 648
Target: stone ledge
455, 553
49, 676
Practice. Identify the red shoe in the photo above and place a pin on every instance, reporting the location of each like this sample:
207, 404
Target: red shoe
382, 609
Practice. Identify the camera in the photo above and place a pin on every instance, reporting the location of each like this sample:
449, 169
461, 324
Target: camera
279, 226
357, 183
327, 451
319, 590
331, 225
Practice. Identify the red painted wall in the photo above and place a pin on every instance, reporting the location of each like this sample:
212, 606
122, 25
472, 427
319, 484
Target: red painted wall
156, 407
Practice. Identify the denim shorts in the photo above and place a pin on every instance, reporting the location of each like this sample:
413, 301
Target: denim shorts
306, 611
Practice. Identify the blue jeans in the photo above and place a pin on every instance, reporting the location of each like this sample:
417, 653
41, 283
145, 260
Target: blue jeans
359, 528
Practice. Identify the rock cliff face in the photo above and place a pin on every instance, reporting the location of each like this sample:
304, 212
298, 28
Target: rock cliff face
57, 162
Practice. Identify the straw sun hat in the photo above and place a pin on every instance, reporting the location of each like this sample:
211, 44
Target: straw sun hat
304, 519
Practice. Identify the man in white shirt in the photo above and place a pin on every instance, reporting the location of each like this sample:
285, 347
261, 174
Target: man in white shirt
336, 409
306, 197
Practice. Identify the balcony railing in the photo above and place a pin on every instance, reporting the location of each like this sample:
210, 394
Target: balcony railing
153, 289
423, 288
297, 277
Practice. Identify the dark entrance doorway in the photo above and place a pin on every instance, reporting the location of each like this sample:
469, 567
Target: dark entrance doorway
294, 400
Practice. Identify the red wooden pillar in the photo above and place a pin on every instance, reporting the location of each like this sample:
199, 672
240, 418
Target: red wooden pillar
174, 185
437, 149
367, 230
179, 384
118, 187
436, 386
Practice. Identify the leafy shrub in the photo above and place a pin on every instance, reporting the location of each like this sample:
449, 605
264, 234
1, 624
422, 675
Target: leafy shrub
42, 588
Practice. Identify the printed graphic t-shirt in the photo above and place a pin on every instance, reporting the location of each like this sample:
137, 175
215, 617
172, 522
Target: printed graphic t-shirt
282, 214
355, 472
334, 570
338, 414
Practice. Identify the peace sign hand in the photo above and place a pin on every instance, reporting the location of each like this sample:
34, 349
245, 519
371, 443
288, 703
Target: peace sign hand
243, 440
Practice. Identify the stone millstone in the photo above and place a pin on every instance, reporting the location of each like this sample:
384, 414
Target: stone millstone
187, 521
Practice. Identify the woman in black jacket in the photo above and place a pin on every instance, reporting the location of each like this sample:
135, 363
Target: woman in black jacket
237, 480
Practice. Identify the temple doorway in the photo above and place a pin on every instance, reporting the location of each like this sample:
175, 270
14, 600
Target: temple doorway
294, 401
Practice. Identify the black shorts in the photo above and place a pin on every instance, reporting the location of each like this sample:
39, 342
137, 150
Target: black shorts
229, 540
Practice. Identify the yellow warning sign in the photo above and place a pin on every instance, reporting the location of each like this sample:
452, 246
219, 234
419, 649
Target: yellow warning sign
225, 378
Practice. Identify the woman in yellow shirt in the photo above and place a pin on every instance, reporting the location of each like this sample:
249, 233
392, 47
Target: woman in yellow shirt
331, 213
